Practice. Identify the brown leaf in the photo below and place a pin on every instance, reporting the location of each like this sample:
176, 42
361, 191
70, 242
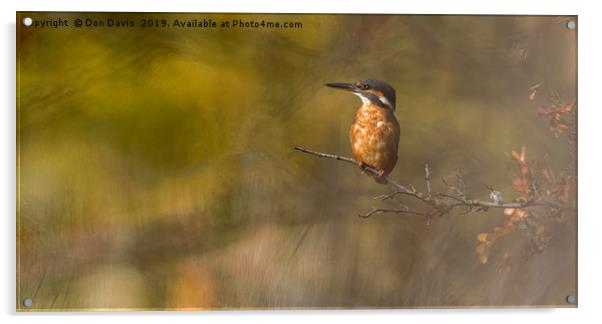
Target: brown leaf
483, 252
521, 213
542, 110
533, 91
515, 155
565, 189
568, 107
520, 185
558, 126
483, 258
519, 156
549, 175
482, 237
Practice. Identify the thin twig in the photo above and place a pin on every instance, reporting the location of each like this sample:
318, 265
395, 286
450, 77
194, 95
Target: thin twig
413, 193
441, 194
375, 211
427, 178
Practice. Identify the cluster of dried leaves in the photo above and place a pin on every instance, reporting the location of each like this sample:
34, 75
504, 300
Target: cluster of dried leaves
558, 116
545, 193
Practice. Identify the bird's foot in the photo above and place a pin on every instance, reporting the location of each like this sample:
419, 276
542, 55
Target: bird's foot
363, 166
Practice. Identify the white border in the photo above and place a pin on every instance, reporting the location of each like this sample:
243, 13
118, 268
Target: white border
590, 163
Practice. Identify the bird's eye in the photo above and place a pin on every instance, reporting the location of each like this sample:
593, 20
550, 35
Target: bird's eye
362, 86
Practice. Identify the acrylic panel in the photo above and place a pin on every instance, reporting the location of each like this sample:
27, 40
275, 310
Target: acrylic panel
194, 161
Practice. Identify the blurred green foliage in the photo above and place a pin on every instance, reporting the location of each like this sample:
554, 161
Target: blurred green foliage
156, 167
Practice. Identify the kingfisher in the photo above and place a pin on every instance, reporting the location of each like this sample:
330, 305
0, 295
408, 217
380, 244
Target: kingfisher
374, 133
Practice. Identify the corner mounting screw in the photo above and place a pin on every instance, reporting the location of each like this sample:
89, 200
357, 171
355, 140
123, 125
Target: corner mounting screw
27, 21
570, 299
27, 302
571, 24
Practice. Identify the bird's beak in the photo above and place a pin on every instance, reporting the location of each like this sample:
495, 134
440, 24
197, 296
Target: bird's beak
342, 86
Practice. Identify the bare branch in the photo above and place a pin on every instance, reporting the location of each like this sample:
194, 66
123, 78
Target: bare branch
368, 169
440, 203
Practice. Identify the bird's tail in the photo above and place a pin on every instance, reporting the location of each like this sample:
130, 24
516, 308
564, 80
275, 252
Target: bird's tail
381, 180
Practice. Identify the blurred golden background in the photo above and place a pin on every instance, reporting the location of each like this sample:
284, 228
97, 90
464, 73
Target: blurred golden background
156, 168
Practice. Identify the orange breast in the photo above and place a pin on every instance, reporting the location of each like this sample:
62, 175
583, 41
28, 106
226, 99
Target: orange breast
374, 137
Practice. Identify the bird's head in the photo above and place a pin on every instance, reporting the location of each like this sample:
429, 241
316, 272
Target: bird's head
371, 91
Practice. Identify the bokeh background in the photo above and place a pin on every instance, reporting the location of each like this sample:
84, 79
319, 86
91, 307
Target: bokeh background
156, 169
